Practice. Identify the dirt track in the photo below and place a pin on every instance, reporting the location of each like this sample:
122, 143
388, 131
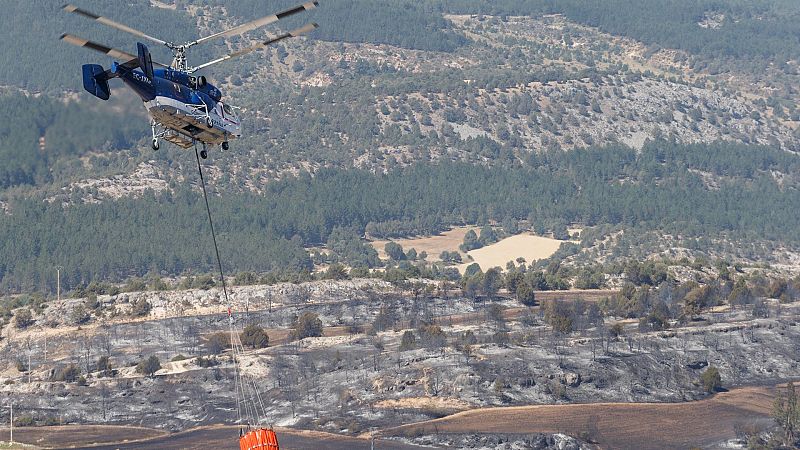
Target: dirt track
617, 425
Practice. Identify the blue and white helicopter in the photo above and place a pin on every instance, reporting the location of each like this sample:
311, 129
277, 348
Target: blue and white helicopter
184, 109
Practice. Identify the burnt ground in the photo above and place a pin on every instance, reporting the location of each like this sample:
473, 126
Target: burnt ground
352, 382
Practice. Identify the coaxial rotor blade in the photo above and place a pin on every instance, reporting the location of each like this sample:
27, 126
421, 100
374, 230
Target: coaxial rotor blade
258, 23
298, 32
111, 23
112, 52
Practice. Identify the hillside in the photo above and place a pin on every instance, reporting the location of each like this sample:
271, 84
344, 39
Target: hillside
507, 88
492, 225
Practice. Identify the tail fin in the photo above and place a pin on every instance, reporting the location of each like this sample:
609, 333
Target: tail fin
95, 81
145, 60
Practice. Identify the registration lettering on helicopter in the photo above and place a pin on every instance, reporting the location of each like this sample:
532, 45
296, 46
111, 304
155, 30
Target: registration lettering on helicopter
142, 78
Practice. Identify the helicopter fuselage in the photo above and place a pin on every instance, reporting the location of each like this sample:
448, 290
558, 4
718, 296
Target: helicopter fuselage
184, 109
183, 104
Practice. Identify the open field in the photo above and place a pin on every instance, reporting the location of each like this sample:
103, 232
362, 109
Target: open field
527, 246
217, 437
72, 436
617, 425
433, 245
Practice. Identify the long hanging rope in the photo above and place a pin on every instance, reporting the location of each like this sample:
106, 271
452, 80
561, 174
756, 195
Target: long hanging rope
241, 385
222, 278
211, 222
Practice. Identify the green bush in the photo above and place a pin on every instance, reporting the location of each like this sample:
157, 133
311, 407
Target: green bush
218, 342
68, 374
149, 366
711, 380
23, 319
255, 337
140, 308
408, 341
308, 325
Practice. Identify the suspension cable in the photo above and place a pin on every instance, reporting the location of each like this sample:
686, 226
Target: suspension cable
236, 374
255, 411
211, 222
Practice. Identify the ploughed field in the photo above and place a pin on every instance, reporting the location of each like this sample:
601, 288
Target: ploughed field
217, 437
616, 425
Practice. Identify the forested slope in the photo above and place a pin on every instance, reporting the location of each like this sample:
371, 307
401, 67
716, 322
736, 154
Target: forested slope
657, 189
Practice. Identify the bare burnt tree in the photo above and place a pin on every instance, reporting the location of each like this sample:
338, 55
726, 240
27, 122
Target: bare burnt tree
103, 398
104, 340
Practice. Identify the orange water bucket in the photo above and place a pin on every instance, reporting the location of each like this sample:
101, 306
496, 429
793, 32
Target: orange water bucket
261, 439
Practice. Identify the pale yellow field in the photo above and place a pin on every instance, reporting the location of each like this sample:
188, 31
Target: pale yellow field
434, 245
527, 246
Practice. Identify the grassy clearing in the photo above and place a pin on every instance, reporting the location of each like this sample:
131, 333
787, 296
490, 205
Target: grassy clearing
527, 246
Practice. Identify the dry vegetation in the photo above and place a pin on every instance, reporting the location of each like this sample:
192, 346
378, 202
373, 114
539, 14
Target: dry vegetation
526, 246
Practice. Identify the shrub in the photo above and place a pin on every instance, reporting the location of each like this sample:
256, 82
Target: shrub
711, 380
308, 325
525, 294
408, 342
104, 366
149, 366
432, 336
206, 362
24, 421
67, 374
218, 342
255, 337
23, 319
140, 308
79, 315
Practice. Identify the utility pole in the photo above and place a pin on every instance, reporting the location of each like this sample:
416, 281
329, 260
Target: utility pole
11, 422
58, 283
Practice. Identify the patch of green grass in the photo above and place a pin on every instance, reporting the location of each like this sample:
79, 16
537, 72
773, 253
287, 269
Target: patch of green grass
16, 446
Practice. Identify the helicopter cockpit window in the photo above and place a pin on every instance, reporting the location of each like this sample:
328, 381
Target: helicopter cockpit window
228, 110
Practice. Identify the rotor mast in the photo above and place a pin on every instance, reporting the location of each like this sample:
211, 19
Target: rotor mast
179, 60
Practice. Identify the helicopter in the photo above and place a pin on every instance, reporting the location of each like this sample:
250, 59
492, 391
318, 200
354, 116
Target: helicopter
184, 109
